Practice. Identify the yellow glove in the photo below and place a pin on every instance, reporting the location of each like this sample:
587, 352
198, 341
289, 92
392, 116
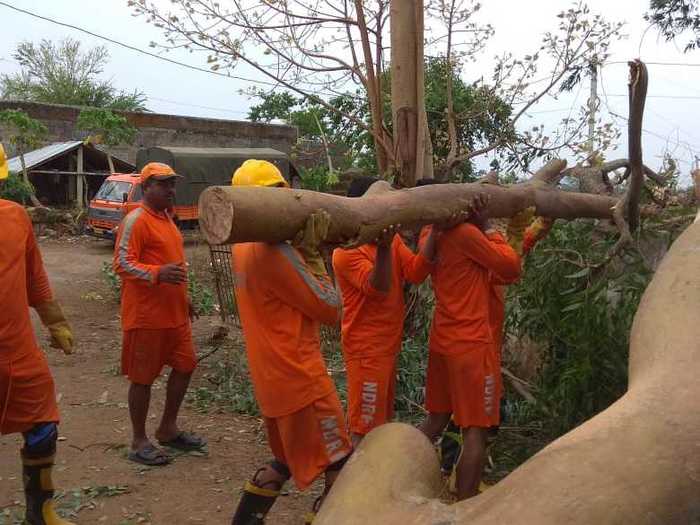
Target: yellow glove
3, 163
52, 317
516, 228
537, 231
308, 240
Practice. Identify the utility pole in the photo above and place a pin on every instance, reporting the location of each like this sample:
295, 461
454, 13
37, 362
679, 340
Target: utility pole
593, 101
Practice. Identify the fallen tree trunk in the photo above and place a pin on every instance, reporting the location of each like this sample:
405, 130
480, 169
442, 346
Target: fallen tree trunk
246, 214
636, 462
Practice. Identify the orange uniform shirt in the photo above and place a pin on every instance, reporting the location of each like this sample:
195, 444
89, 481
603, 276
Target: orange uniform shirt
23, 281
27, 393
462, 285
373, 320
281, 305
146, 241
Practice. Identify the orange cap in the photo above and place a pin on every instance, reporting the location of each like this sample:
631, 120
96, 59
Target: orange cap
158, 171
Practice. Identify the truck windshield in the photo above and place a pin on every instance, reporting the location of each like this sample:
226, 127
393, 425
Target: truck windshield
113, 190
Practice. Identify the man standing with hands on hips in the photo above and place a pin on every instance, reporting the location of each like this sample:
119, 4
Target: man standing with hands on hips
156, 314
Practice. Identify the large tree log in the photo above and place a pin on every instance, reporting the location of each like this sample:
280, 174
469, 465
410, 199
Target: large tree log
636, 462
245, 214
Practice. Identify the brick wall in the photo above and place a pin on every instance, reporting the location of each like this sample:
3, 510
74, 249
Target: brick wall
156, 129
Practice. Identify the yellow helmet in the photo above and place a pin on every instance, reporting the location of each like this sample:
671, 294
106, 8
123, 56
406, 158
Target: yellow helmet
258, 173
3, 163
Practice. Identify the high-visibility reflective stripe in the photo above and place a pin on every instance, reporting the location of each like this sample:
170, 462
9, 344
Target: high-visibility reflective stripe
127, 227
327, 294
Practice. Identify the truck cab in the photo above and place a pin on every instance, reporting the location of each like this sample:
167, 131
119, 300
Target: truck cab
120, 193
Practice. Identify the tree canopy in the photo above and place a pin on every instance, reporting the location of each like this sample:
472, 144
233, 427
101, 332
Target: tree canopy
674, 17
481, 116
66, 73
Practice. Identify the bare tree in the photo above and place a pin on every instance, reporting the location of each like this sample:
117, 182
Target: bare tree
322, 48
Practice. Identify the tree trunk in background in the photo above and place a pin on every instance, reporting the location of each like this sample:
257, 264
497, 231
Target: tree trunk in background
411, 138
25, 177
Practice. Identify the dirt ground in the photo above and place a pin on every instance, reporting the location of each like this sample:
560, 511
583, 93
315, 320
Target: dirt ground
97, 483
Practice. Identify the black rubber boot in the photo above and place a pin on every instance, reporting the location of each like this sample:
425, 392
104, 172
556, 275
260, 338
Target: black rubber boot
38, 491
254, 505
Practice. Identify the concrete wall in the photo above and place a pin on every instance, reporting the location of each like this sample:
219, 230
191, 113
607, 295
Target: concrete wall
162, 130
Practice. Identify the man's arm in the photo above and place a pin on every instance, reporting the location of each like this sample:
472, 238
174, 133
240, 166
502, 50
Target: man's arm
296, 284
41, 298
537, 231
128, 249
357, 269
489, 250
417, 266
38, 287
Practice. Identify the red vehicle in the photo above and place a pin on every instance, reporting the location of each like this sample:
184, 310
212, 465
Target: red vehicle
201, 167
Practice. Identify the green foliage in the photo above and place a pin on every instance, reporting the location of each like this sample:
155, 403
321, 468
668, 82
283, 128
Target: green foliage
202, 297
24, 132
274, 105
64, 73
580, 313
318, 178
112, 280
111, 129
15, 189
674, 17
410, 381
227, 386
481, 116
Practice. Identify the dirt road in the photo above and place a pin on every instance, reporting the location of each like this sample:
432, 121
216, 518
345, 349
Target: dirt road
98, 484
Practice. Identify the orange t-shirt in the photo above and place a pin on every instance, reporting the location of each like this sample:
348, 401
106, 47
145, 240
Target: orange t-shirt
462, 285
23, 282
497, 309
281, 305
373, 320
146, 241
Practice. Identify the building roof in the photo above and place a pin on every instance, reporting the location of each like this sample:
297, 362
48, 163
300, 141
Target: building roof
185, 151
39, 156
34, 159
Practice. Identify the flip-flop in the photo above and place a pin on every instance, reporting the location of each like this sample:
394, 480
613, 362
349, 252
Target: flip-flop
150, 456
185, 441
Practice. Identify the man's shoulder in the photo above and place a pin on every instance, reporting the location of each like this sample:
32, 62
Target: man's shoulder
13, 209
12, 213
466, 229
135, 216
343, 255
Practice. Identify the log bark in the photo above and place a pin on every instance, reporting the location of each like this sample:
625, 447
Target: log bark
636, 462
638, 93
249, 214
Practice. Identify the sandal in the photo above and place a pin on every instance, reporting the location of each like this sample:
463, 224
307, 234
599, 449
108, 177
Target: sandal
149, 456
185, 441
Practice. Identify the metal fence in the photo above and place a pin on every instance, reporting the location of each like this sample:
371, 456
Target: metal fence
220, 256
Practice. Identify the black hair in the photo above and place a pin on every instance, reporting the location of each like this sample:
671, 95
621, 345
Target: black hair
427, 182
360, 185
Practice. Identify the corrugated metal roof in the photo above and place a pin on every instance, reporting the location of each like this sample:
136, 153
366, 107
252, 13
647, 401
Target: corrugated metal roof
41, 155
224, 152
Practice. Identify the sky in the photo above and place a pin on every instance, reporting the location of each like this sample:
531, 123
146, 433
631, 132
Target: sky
669, 122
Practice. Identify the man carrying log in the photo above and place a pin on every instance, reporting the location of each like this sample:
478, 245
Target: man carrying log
27, 391
371, 279
522, 240
462, 368
156, 315
284, 293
